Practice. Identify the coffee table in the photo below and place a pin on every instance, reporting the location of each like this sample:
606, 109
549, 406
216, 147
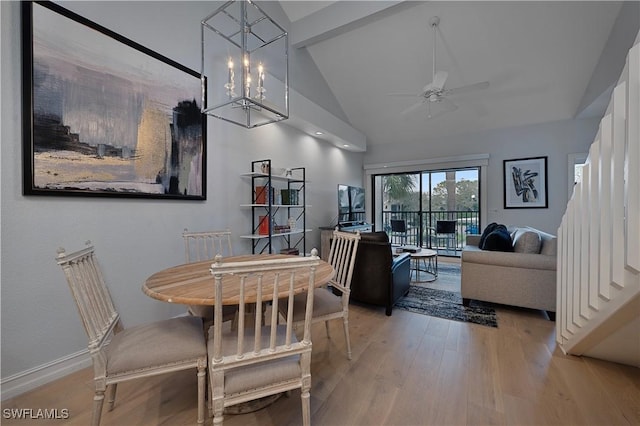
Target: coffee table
425, 260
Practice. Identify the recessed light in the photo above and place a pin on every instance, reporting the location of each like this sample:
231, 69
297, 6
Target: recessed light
319, 133
346, 145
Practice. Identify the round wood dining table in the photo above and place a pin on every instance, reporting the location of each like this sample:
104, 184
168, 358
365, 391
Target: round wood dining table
192, 283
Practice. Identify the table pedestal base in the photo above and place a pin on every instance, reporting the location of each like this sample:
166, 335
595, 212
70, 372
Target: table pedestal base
251, 406
425, 261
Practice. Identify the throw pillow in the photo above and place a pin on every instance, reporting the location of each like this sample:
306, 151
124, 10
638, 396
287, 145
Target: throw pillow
549, 247
527, 242
490, 228
498, 240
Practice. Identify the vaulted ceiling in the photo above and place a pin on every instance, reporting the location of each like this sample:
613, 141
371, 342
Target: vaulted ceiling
539, 58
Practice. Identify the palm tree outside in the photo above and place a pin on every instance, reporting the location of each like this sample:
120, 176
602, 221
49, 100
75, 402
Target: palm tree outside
422, 198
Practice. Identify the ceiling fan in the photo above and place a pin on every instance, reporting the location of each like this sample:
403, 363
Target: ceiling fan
434, 95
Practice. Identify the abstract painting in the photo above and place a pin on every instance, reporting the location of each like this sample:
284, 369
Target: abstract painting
105, 116
525, 183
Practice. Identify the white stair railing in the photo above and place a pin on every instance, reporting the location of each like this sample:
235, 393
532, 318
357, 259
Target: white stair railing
599, 236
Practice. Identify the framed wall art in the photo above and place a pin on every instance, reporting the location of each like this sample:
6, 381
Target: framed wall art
525, 183
105, 116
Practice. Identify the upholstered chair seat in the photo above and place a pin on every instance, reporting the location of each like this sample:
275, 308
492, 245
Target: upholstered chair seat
148, 346
259, 375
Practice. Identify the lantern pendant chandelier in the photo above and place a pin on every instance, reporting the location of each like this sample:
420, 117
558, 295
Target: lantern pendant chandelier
245, 65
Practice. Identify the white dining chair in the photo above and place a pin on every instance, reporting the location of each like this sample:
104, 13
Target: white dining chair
327, 305
121, 354
255, 360
206, 245
199, 246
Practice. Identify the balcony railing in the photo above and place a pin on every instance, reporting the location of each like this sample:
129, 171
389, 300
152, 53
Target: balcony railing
421, 227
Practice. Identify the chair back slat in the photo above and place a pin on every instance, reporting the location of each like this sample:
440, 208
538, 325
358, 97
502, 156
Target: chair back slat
199, 246
289, 319
257, 324
261, 281
241, 322
102, 301
274, 311
87, 277
342, 256
88, 288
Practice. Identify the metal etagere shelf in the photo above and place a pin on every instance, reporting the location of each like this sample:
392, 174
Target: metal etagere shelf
274, 196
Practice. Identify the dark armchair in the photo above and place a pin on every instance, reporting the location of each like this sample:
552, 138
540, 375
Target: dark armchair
379, 278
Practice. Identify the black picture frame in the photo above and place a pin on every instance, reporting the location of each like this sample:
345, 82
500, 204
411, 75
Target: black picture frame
105, 116
525, 183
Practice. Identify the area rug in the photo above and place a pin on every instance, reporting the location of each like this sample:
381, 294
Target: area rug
449, 269
446, 304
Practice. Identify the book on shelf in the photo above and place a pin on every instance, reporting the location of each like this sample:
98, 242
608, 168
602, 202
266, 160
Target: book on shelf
289, 197
262, 192
263, 225
281, 229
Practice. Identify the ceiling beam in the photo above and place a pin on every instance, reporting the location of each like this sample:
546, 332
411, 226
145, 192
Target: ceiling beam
311, 118
340, 17
605, 76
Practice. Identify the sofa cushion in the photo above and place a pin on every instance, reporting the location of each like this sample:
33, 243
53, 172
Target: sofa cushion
526, 242
549, 246
489, 259
498, 240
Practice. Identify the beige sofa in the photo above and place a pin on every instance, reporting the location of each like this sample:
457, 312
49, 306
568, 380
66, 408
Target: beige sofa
525, 277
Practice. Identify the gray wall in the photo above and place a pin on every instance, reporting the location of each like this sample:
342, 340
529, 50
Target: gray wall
133, 238
555, 140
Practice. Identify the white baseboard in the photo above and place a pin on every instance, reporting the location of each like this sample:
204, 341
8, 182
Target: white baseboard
34, 377
37, 376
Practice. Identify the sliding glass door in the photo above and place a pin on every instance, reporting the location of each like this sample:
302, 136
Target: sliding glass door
431, 209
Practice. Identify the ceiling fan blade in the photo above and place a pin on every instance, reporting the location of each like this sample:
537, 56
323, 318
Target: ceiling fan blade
434, 110
446, 104
415, 95
412, 108
431, 114
467, 88
439, 79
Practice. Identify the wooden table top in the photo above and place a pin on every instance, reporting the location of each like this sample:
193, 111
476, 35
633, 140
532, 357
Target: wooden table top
192, 283
424, 253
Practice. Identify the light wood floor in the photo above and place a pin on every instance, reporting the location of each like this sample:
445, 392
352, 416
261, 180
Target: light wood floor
407, 369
